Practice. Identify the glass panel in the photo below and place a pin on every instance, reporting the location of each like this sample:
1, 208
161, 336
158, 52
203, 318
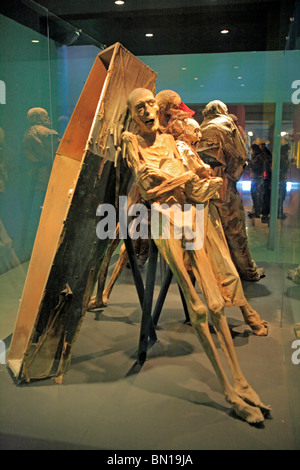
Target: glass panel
26, 152
290, 134
44, 64
25, 75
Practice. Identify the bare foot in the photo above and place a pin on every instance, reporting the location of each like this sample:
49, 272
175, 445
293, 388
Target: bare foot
258, 328
255, 276
251, 317
250, 414
246, 392
94, 303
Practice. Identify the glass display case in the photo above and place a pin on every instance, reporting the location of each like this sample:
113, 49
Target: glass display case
43, 69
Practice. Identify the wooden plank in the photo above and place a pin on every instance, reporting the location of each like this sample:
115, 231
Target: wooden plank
67, 254
77, 133
56, 205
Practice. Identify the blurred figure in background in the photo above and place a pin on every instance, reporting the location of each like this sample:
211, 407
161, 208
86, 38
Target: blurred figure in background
256, 165
40, 143
267, 180
284, 166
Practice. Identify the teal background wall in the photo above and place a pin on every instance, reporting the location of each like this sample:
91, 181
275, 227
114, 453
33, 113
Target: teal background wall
266, 76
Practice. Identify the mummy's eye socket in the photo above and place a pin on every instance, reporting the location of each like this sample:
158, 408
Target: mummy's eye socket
140, 110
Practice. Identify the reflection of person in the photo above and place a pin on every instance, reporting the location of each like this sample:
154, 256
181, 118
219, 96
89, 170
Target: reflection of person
40, 143
221, 142
257, 168
8, 257
267, 180
284, 166
159, 171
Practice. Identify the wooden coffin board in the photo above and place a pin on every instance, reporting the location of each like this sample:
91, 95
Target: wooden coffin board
67, 253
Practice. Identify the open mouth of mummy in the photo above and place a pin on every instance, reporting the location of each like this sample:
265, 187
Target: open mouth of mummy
149, 122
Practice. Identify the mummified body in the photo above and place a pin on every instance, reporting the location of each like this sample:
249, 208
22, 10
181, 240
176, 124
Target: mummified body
222, 141
187, 134
162, 178
170, 107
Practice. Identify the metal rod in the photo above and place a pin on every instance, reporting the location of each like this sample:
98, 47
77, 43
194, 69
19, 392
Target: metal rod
275, 178
146, 322
162, 295
135, 269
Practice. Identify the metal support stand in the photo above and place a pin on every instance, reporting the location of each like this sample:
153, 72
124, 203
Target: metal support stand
162, 296
147, 329
145, 294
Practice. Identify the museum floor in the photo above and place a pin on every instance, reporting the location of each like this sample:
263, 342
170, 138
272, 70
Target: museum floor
174, 401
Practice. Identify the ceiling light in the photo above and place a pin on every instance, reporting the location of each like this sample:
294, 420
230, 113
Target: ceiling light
183, 68
119, 2
35, 40
242, 84
239, 78
196, 78
250, 133
236, 67
224, 31
149, 35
